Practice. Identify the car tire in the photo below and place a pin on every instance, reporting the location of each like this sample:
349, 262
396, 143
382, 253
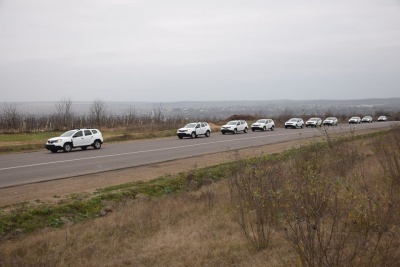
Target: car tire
193, 135
301, 126
223, 132
67, 147
54, 151
234, 131
83, 147
245, 130
97, 144
180, 137
208, 134
272, 128
264, 129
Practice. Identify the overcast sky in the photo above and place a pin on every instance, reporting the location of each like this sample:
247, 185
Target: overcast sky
176, 50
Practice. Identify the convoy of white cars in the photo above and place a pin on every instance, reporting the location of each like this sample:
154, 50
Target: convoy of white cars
84, 138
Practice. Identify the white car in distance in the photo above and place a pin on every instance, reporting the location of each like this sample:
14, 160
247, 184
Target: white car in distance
314, 122
367, 119
263, 125
234, 127
330, 121
294, 123
355, 120
194, 129
382, 118
82, 138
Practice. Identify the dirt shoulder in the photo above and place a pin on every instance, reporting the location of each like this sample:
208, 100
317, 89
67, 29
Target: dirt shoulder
56, 189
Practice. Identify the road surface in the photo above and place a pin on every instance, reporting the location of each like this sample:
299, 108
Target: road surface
24, 168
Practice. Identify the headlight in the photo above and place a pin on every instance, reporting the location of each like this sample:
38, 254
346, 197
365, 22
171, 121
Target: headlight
58, 141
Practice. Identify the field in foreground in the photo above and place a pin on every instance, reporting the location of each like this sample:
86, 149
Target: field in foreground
327, 204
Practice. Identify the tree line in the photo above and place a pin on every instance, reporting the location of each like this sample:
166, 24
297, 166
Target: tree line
64, 117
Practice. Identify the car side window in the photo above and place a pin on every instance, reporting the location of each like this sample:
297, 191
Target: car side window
94, 131
198, 126
88, 132
202, 125
78, 134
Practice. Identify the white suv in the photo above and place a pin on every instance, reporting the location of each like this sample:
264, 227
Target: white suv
263, 125
234, 127
82, 138
194, 129
331, 121
294, 123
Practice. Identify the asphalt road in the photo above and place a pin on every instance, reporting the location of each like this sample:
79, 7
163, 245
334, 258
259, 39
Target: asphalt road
17, 169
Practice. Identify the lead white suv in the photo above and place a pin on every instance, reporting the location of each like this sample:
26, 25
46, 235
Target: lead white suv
194, 129
234, 127
82, 138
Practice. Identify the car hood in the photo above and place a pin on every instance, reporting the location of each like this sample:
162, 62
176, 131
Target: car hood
185, 129
58, 138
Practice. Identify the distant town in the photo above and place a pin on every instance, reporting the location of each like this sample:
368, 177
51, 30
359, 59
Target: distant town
224, 109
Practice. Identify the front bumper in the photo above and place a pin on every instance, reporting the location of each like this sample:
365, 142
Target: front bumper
52, 147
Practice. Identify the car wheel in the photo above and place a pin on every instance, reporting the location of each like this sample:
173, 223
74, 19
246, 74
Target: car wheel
223, 132
245, 130
67, 147
234, 131
54, 151
84, 147
180, 137
97, 144
264, 129
193, 135
301, 126
272, 128
208, 134
286, 127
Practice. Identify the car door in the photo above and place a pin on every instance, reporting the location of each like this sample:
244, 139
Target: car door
200, 129
88, 137
78, 138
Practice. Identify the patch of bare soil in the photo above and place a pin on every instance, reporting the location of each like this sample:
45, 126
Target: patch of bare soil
56, 189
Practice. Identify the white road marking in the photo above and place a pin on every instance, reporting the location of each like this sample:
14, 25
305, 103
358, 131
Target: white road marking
143, 151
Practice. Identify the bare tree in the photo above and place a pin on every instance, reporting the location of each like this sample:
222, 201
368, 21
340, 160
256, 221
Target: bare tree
98, 110
11, 116
64, 112
158, 113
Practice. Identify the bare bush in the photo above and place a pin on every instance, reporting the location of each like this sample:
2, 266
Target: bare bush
11, 118
98, 110
255, 193
64, 114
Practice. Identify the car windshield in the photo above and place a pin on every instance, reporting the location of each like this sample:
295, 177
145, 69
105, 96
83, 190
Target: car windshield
232, 123
313, 119
190, 125
261, 121
293, 119
69, 133
354, 118
330, 118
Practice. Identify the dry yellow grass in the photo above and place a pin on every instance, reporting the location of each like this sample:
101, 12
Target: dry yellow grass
191, 229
